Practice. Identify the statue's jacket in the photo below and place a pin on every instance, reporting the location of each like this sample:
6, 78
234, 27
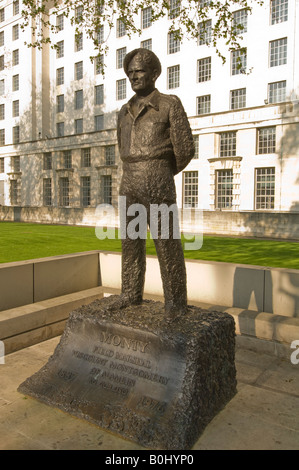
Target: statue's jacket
160, 131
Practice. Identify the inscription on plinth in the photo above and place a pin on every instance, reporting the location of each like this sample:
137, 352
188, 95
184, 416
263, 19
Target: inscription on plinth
144, 384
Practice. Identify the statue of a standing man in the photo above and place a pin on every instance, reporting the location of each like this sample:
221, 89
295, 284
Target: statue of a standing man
155, 143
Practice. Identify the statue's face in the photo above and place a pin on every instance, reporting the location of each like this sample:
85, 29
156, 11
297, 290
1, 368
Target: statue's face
141, 76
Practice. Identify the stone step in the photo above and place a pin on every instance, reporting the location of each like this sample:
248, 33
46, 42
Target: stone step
30, 324
24, 326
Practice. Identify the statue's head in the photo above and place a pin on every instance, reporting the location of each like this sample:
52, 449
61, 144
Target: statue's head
143, 68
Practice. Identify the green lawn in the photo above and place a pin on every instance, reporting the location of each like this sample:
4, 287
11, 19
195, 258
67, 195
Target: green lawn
21, 241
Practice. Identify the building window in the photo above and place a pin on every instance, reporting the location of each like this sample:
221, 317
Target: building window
2, 87
99, 122
174, 8
16, 7
64, 192
238, 98
224, 189
100, 34
16, 134
120, 55
147, 44
99, 64
79, 99
2, 15
47, 192
2, 137
146, 16
205, 32
60, 129
67, 159
203, 104
78, 42
99, 7
15, 193
228, 143
85, 191
266, 140
196, 145
60, 103
79, 70
240, 21
238, 61
190, 188
15, 32
173, 42
277, 92
110, 155
99, 94
2, 165
85, 158
15, 83
279, 11
2, 112
107, 189
60, 49
59, 22
79, 14
264, 188
1, 62
16, 164
278, 52
47, 160
173, 76
15, 57
204, 69
204, 3
78, 126
15, 108
60, 76
120, 28
1, 38
121, 89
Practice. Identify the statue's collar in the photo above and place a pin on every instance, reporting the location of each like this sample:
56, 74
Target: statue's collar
151, 100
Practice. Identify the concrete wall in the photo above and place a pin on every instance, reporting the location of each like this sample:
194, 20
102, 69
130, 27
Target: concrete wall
283, 225
255, 288
27, 282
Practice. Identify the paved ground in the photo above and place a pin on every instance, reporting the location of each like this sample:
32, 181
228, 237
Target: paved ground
263, 415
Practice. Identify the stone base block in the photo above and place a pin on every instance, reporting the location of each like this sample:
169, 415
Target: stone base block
133, 372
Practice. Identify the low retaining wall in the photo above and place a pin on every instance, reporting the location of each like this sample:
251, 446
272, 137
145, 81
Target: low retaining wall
257, 288
283, 225
31, 281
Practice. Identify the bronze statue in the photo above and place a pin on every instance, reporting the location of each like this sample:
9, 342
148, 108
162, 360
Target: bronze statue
155, 143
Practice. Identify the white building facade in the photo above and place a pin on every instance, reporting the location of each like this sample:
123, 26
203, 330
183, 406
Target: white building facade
58, 112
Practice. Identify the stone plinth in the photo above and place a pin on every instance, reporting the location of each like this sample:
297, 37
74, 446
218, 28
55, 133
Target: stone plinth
130, 371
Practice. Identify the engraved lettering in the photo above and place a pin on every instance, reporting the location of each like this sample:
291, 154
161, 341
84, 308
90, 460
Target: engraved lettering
152, 404
103, 351
119, 379
140, 373
123, 342
96, 372
66, 375
133, 360
90, 358
113, 388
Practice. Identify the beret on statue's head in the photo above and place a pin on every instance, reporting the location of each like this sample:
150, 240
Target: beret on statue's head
146, 56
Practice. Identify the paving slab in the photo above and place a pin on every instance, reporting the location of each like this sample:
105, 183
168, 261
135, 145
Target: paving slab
263, 415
